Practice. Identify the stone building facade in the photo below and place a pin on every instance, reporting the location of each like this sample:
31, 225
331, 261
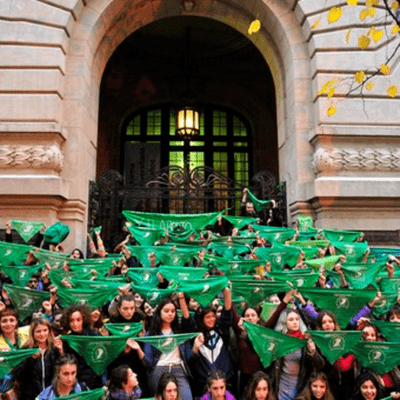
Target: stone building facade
344, 169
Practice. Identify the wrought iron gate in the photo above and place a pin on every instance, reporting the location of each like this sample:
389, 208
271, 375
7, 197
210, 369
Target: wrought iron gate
175, 190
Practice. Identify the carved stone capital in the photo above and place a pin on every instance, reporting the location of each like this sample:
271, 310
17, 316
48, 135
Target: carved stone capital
335, 159
31, 156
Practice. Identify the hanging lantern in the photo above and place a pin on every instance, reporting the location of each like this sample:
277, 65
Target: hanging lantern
188, 5
187, 123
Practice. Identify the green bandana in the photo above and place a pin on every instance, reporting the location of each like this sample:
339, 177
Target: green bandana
255, 292
54, 259
305, 223
204, 291
13, 254
344, 303
310, 253
182, 235
99, 264
310, 243
57, 275
98, 351
167, 343
311, 233
379, 357
94, 394
325, 262
335, 235
259, 205
279, 237
268, 308
21, 275
178, 274
27, 229
56, 233
271, 345
298, 278
171, 221
92, 297
390, 285
279, 255
335, 344
383, 305
97, 284
240, 222
354, 252
389, 330
10, 359
126, 330
26, 301
228, 251
144, 276
236, 267
359, 276
153, 295
382, 253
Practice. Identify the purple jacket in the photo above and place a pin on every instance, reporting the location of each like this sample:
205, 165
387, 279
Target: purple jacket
228, 396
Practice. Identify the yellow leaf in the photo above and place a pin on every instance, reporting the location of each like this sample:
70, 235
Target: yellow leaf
352, 2
316, 23
334, 14
395, 5
369, 85
327, 85
348, 34
331, 92
371, 11
331, 111
371, 31
395, 29
385, 69
377, 36
363, 14
392, 91
359, 76
254, 27
371, 3
364, 41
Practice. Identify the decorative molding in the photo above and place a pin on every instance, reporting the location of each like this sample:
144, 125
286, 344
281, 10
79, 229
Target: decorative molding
335, 159
37, 157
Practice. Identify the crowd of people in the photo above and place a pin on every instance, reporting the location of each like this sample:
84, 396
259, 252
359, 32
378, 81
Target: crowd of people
169, 313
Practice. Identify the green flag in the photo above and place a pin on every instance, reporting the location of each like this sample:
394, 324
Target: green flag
126, 330
26, 301
98, 351
379, 357
178, 274
171, 221
325, 262
240, 222
153, 295
145, 236
354, 252
335, 344
94, 394
389, 330
27, 229
13, 254
299, 278
205, 290
305, 223
259, 205
21, 275
92, 297
144, 276
10, 359
271, 345
167, 343
344, 303
255, 292
54, 259
336, 235
383, 305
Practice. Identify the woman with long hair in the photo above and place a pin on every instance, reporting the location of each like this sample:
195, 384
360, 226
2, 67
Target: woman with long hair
76, 320
259, 387
166, 322
168, 388
367, 387
123, 384
36, 373
216, 387
64, 382
317, 388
